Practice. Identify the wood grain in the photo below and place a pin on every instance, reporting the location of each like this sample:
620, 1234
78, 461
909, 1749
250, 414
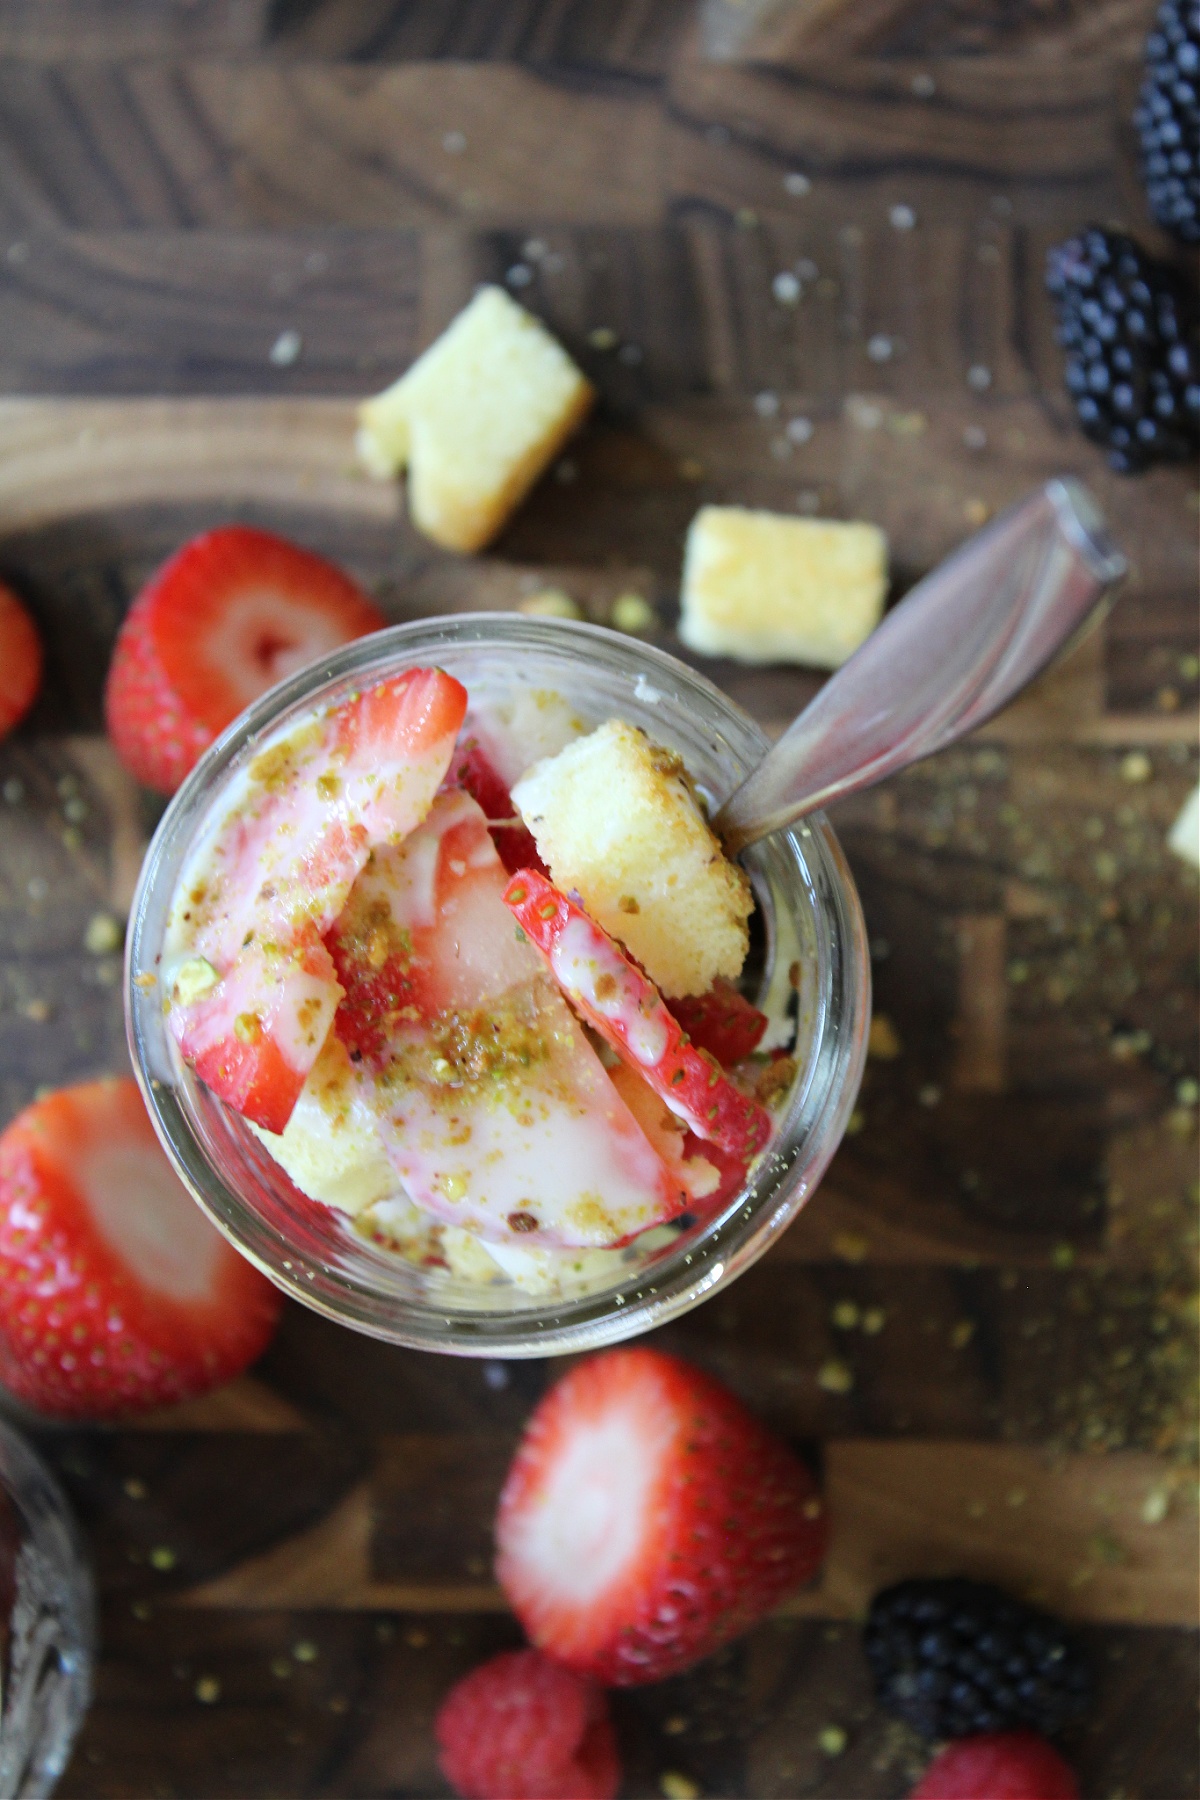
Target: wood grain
979, 1327
784, 31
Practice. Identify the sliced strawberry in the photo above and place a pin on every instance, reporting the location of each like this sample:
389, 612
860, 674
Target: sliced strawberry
279, 871
115, 1291
522, 1724
684, 1154
723, 1022
425, 929
231, 613
20, 661
647, 1518
495, 1111
254, 1039
619, 1002
1003, 1765
472, 770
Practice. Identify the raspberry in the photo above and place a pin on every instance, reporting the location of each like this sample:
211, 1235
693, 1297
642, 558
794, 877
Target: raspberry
1004, 1766
959, 1657
522, 1724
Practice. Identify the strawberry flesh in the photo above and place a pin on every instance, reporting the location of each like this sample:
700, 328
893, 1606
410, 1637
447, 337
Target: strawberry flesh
647, 1518
279, 873
723, 1022
616, 999
20, 661
116, 1294
522, 1724
472, 770
230, 614
493, 1108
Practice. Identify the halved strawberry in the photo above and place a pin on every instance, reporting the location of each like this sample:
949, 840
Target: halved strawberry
278, 873
522, 1724
625, 1007
647, 1518
229, 615
20, 661
472, 770
115, 1291
723, 1022
493, 1108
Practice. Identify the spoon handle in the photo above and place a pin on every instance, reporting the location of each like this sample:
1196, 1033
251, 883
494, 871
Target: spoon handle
960, 646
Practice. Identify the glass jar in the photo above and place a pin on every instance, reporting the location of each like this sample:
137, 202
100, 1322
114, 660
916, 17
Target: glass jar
813, 928
47, 1624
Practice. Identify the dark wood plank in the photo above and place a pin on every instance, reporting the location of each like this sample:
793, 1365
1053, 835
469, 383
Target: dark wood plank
209, 312
991, 1285
299, 145
356, 1719
232, 144
434, 1499
633, 37
166, 1510
780, 32
108, 30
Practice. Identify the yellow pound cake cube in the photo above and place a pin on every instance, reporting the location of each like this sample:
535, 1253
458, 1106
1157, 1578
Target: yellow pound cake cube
762, 587
475, 420
616, 818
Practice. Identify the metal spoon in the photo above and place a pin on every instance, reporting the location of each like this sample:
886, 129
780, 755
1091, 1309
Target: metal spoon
960, 646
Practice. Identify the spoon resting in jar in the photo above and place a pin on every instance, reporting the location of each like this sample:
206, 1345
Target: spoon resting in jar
957, 649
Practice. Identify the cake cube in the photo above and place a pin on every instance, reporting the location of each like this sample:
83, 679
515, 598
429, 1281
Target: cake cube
475, 420
764, 587
617, 820
330, 1146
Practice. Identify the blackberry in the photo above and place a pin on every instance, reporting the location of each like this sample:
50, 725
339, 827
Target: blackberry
1168, 119
1133, 363
958, 1657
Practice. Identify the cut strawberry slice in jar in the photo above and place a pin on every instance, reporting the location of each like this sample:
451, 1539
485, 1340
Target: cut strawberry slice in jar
694, 1164
614, 997
723, 1022
472, 770
252, 1002
494, 1110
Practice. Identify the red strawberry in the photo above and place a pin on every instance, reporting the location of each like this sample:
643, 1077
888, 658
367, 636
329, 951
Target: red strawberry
614, 997
1006, 1765
20, 661
229, 615
521, 1724
318, 802
116, 1294
647, 1518
471, 769
723, 1022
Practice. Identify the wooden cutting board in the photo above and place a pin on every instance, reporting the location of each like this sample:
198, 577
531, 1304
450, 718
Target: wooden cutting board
978, 1325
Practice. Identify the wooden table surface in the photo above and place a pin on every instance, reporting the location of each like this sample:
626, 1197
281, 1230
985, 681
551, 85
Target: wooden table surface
292, 1572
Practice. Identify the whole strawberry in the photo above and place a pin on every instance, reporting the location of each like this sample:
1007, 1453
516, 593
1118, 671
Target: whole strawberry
230, 614
116, 1294
1013, 1765
647, 1518
522, 1724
